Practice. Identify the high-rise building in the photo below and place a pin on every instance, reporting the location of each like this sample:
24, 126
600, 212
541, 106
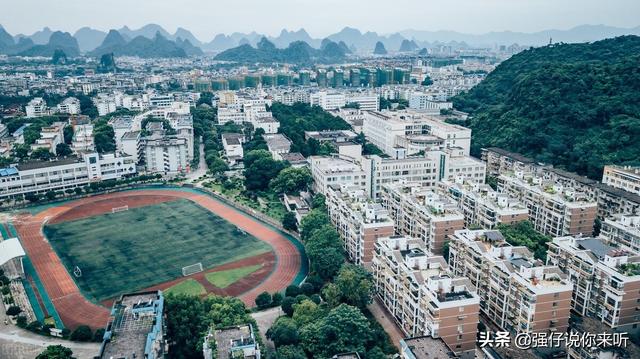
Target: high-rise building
354, 77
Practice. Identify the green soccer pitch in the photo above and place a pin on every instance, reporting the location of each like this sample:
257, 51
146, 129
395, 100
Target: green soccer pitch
141, 247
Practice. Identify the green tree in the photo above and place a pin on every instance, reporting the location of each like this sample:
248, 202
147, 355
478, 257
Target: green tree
103, 136
68, 134
63, 150
355, 285
523, 234
292, 291
13, 310
290, 352
289, 221
186, 324
98, 336
263, 300
283, 332
312, 222
306, 312
41, 154
260, 168
292, 180
345, 329
287, 305
56, 352
82, 334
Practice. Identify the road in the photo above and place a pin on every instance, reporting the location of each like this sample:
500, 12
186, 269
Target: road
386, 321
17, 343
202, 166
265, 320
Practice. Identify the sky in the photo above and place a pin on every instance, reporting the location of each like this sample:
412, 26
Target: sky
320, 18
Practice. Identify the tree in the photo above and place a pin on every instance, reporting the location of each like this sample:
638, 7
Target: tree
13, 310
82, 334
51, 195
260, 168
307, 289
32, 197
68, 134
345, 329
312, 222
306, 312
263, 300
56, 352
292, 291
103, 136
41, 154
289, 221
355, 285
332, 294
292, 180
215, 164
290, 352
427, 81
59, 57
287, 305
63, 150
523, 234
276, 299
283, 332
185, 325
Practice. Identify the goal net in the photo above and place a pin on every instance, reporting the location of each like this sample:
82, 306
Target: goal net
119, 209
192, 269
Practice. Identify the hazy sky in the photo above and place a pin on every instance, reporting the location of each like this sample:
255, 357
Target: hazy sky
318, 17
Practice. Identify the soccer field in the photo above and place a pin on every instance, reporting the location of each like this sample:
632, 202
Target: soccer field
134, 249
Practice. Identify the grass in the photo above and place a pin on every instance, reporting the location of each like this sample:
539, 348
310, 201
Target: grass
131, 250
267, 203
188, 286
225, 278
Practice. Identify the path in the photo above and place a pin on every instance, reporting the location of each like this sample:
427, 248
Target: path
75, 310
202, 166
386, 321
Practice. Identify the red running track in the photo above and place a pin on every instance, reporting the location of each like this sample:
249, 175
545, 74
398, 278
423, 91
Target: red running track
71, 305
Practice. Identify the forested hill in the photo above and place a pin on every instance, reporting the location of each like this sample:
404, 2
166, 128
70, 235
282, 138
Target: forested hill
576, 106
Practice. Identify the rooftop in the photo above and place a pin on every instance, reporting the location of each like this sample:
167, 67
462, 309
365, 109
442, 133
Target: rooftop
428, 348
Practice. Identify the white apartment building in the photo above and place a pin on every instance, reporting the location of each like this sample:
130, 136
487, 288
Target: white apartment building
82, 138
232, 144
278, 144
267, 124
423, 296
427, 103
328, 100
327, 171
622, 231
381, 171
606, 280
69, 105
518, 293
409, 131
37, 107
105, 107
358, 220
553, 209
623, 177
167, 154
420, 213
132, 145
366, 102
482, 206
59, 175
50, 137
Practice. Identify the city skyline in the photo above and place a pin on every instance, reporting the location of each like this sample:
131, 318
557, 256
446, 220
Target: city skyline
325, 18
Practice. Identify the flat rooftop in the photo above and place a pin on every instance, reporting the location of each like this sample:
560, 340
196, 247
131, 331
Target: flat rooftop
428, 348
233, 337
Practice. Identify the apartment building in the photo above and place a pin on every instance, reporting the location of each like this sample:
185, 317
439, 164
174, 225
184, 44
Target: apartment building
482, 206
82, 138
37, 107
422, 295
622, 231
425, 102
165, 154
381, 171
268, 124
518, 293
327, 171
67, 173
365, 102
419, 212
623, 177
358, 220
69, 105
611, 200
553, 209
277, 144
232, 145
328, 100
409, 130
131, 144
50, 137
606, 279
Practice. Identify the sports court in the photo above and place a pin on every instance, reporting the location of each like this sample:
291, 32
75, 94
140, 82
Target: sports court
139, 247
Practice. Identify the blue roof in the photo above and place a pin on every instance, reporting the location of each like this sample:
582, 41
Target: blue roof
11, 171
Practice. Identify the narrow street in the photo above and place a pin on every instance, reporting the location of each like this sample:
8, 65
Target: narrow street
202, 166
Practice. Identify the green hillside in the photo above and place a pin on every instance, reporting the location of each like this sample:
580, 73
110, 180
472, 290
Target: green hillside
576, 106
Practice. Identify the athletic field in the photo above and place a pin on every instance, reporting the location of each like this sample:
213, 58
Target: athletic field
143, 246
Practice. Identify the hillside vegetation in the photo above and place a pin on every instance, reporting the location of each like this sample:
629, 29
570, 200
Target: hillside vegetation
576, 106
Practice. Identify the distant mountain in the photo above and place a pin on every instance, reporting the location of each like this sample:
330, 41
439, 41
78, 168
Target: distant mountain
408, 46
380, 49
149, 31
184, 34
583, 33
298, 52
89, 39
287, 37
58, 41
6, 40
39, 37
144, 47
188, 47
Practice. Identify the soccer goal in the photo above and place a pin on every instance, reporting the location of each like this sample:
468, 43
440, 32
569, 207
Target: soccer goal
119, 209
192, 269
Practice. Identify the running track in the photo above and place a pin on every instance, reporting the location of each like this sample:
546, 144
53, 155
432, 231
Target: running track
71, 305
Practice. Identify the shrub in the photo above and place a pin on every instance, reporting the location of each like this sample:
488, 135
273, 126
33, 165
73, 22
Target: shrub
82, 334
14, 310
